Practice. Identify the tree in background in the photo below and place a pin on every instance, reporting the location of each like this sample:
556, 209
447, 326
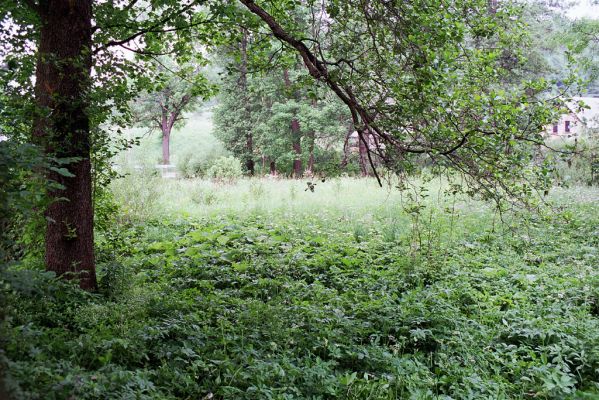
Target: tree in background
282, 123
176, 89
270, 109
584, 41
235, 121
430, 83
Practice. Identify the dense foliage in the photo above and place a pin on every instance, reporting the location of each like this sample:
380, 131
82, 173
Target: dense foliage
273, 99
312, 306
274, 293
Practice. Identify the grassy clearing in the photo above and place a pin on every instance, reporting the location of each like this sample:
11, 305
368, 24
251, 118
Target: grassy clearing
339, 196
271, 292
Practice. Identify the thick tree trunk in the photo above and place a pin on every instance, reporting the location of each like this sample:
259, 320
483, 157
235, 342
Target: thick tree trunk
62, 126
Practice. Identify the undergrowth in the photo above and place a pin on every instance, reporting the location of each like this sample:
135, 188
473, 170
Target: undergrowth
314, 307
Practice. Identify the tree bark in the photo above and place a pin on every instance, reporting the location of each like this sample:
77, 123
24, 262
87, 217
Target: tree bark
166, 126
166, 143
62, 126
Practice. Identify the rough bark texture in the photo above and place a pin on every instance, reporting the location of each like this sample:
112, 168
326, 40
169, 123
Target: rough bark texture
62, 127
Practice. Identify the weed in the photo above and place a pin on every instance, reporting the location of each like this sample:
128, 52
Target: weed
320, 300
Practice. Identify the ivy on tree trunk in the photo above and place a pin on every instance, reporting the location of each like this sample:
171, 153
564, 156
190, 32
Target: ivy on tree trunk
62, 126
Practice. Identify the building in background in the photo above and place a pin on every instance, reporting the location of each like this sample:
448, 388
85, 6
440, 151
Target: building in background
576, 122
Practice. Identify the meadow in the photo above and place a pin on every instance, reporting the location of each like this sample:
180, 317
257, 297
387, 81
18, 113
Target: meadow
261, 289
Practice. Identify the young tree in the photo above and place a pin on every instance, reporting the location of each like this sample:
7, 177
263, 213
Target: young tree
234, 117
176, 90
243, 87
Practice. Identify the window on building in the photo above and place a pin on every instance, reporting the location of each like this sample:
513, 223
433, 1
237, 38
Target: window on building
567, 126
555, 129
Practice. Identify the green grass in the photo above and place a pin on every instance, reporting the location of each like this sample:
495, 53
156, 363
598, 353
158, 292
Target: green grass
341, 196
267, 291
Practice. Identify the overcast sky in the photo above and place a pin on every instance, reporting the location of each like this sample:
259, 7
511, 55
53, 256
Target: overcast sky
584, 9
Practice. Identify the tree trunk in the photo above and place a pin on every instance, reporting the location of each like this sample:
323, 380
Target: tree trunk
62, 126
363, 153
166, 127
166, 143
345, 159
295, 136
297, 148
249, 140
250, 166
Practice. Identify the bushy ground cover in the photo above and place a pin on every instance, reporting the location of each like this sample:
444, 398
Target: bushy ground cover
350, 293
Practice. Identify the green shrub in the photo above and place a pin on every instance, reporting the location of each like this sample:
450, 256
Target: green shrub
579, 162
225, 169
204, 196
196, 163
137, 193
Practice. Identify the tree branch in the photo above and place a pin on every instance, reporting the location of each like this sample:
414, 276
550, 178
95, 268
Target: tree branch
154, 28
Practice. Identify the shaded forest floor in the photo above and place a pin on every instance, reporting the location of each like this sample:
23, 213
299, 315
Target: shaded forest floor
357, 299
